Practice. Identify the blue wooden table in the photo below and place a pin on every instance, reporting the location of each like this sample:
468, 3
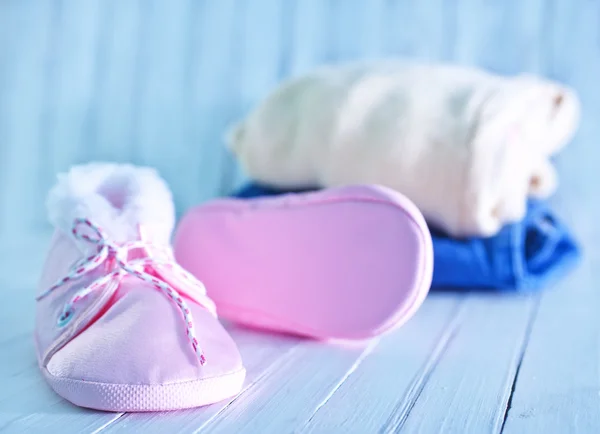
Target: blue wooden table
157, 82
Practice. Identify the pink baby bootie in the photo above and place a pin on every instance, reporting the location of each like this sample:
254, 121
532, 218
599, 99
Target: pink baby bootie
119, 325
341, 263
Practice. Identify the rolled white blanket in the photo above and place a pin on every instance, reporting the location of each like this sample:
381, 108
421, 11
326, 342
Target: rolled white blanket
466, 146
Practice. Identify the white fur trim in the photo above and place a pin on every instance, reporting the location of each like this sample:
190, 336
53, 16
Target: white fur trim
142, 197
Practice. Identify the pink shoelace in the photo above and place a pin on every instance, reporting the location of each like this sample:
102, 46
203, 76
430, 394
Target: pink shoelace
116, 259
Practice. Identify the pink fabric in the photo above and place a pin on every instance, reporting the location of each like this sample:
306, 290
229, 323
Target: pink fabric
126, 336
137, 259
344, 263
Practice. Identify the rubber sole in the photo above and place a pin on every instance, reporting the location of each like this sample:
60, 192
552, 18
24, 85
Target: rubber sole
344, 263
146, 397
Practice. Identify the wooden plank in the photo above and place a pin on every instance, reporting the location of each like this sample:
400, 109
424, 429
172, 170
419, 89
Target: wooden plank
308, 382
371, 43
571, 52
21, 261
557, 387
392, 377
290, 394
263, 56
417, 29
18, 310
264, 61
8, 52
469, 389
118, 85
263, 354
500, 36
213, 71
377, 28
347, 32
558, 383
30, 405
70, 94
162, 106
24, 95
311, 37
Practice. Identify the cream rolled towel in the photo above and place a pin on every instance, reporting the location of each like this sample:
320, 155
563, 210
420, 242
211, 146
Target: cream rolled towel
466, 146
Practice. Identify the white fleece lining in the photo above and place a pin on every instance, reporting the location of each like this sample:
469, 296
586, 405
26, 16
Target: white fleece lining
117, 197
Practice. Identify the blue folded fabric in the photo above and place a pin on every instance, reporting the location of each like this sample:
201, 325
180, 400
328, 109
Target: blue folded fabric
522, 257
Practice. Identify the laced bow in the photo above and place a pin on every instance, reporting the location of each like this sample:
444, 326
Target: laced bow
116, 260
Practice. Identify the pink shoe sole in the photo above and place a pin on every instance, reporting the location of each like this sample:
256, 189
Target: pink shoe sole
343, 263
146, 397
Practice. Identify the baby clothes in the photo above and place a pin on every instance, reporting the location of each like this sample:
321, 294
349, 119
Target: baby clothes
523, 256
467, 147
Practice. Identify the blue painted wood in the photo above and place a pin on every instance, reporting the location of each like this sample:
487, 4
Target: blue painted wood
118, 86
420, 30
558, 386
24, 95
7, 53
212, 87
347, 29
69, 130
264, 60
311, 35
386, 385
158, 83
503, 37
162, 105
472, 384
299, 388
